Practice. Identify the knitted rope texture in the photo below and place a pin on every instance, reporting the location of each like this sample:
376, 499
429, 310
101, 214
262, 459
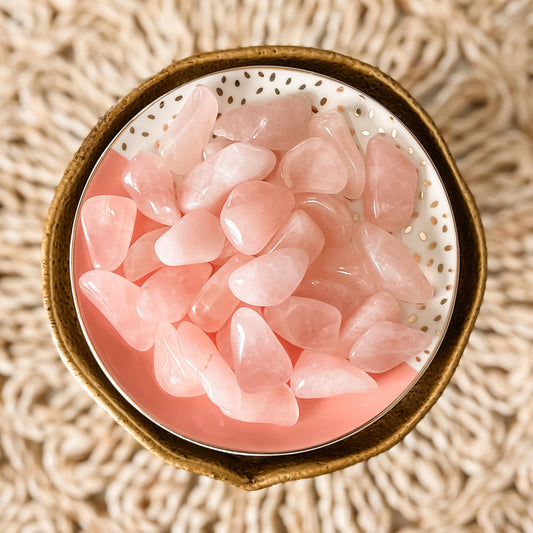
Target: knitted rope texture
65, 466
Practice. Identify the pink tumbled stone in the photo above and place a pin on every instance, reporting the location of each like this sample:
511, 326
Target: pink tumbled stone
253, 212
141, 259
107, 223
271, 278
167, 295
209, 183
387, 344
314, 165
171, 370
214, 146
196, 238
215, 303
259, 359
391, 180
278, 124
149, 182
116, 298
393, 265
227, 251
333, 127
320, 375
183, 143
305, 322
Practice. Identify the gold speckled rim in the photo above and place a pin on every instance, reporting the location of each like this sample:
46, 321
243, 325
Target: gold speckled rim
254, 472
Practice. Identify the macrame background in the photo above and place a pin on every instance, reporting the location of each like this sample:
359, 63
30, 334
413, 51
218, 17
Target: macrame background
468, 467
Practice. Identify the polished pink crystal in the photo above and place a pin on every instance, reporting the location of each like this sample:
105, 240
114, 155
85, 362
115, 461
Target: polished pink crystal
227, 251
314, 165
196, 238
391, 180
116, 298
305, 322
167, 295
209, 183
149, 182
214, 146
393, 265
321, 375
107, 222
259, 360
387, 344
253, 212
333, 127
271, 278
277, 124
141, 259
183, 143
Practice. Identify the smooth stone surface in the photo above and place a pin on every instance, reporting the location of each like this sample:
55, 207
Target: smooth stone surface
253, 212
391, 180
196, 238
167, 295
320, 375
148, 180
278, 124
214, 146
305, 322
209, 183
116, 298
314, 165
393, 265
228, 251
141, 258
183, 143
259, 360
387, 344
269, 279
333, 127
107, 222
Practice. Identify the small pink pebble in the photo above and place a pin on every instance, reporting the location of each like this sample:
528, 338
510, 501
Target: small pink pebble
253, 212
183, 143
171, 370
259, 359
277, 124
271, 278
149, 182
320, 375
167, 295
141, 259
307, 323
386, 345
196, 238
391, 180
314, 165
116, 298
107, 223
214, 146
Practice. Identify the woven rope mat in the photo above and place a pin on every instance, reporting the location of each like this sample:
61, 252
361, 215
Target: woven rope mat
468, 467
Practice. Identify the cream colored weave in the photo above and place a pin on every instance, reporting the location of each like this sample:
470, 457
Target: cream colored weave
65, 466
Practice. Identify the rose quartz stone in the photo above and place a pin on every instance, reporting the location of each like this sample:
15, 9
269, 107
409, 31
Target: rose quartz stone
387, 344
330, 213
141, 259
167, 295
214, 146
209, 183
269, 279
171, 370
215, 303
391, 180
274, 406
320, 375
393, 265
183, 143
259, 359
149, 182
253, 212
305, 322
377, 308
196, 238
116, 298
278, 124
314, 165
107, 222
227, 251
333, 127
